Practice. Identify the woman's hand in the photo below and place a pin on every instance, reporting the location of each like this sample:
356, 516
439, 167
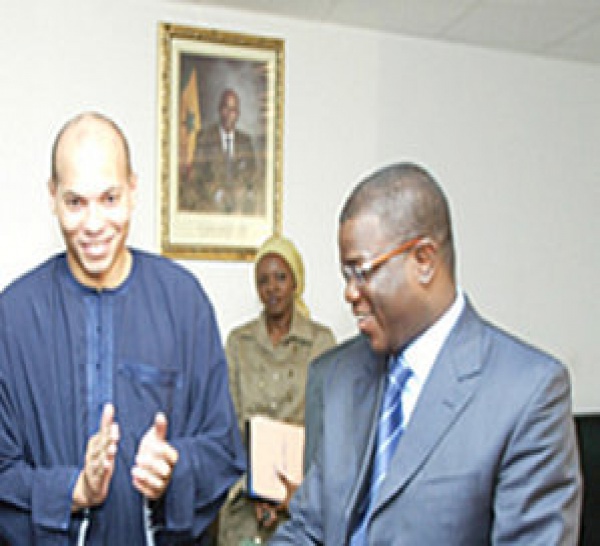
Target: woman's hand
290, 489
267, 513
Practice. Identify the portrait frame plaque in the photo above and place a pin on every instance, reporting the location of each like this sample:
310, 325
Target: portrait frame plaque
219, 202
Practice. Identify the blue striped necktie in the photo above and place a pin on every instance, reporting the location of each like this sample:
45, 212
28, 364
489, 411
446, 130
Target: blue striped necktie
389, 430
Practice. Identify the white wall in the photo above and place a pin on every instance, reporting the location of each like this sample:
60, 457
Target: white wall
512, 138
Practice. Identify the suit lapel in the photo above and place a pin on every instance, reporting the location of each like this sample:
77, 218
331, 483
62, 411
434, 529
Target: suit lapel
448, 390
356, 413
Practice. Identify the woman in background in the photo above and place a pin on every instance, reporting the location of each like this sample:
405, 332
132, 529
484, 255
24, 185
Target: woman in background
268, 360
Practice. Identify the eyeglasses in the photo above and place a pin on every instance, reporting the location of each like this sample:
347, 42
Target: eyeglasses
360, 273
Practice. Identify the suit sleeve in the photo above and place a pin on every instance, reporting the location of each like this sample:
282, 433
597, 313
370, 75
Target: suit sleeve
537, 499
313, 408
305, 526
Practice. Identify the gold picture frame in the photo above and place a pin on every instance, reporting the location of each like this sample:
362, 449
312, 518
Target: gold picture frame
220, 195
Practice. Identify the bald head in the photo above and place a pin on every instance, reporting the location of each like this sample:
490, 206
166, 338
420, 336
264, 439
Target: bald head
85, 127
409, 203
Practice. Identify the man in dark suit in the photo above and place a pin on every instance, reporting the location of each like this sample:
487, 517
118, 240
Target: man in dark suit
486, 451
318, 371
223, 175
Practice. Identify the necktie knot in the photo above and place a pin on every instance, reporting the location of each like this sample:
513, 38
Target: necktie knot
398, 374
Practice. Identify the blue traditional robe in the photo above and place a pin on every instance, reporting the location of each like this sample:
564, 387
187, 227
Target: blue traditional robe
150, 345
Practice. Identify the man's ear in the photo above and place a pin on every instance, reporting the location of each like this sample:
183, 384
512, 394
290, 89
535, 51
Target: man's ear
133, 188
426, 254
52, 188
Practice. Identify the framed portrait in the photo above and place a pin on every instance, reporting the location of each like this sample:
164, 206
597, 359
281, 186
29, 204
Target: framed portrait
221, 128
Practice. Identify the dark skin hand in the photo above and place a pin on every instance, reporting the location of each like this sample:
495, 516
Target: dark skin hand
266, 512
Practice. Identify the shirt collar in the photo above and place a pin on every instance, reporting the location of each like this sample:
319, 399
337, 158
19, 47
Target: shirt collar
421, 354
300, 329
66, 273
225, 134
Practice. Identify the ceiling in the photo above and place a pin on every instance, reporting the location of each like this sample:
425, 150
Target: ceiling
563, 29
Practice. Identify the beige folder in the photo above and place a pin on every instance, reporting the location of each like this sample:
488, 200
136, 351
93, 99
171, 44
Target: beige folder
273, 446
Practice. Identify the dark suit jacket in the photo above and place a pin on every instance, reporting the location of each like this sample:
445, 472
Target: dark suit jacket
216, 184
488, 457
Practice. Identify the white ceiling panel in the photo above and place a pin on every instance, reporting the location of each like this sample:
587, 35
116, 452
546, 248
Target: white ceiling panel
583, 45
566, 29
503, 26
428, 18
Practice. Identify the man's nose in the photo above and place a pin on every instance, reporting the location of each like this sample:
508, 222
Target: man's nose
94, 219
351, 290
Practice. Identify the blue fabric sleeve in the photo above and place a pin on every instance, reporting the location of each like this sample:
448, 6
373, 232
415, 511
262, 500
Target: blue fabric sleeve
43, 492
211, 454
51, 497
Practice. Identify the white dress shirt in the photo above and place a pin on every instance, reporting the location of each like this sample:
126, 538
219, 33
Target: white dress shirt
421, 354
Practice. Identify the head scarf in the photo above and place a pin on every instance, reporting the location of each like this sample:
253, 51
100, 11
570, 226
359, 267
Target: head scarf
285, 249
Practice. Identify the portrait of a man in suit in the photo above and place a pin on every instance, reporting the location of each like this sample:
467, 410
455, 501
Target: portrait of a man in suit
222, 177
221, 142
